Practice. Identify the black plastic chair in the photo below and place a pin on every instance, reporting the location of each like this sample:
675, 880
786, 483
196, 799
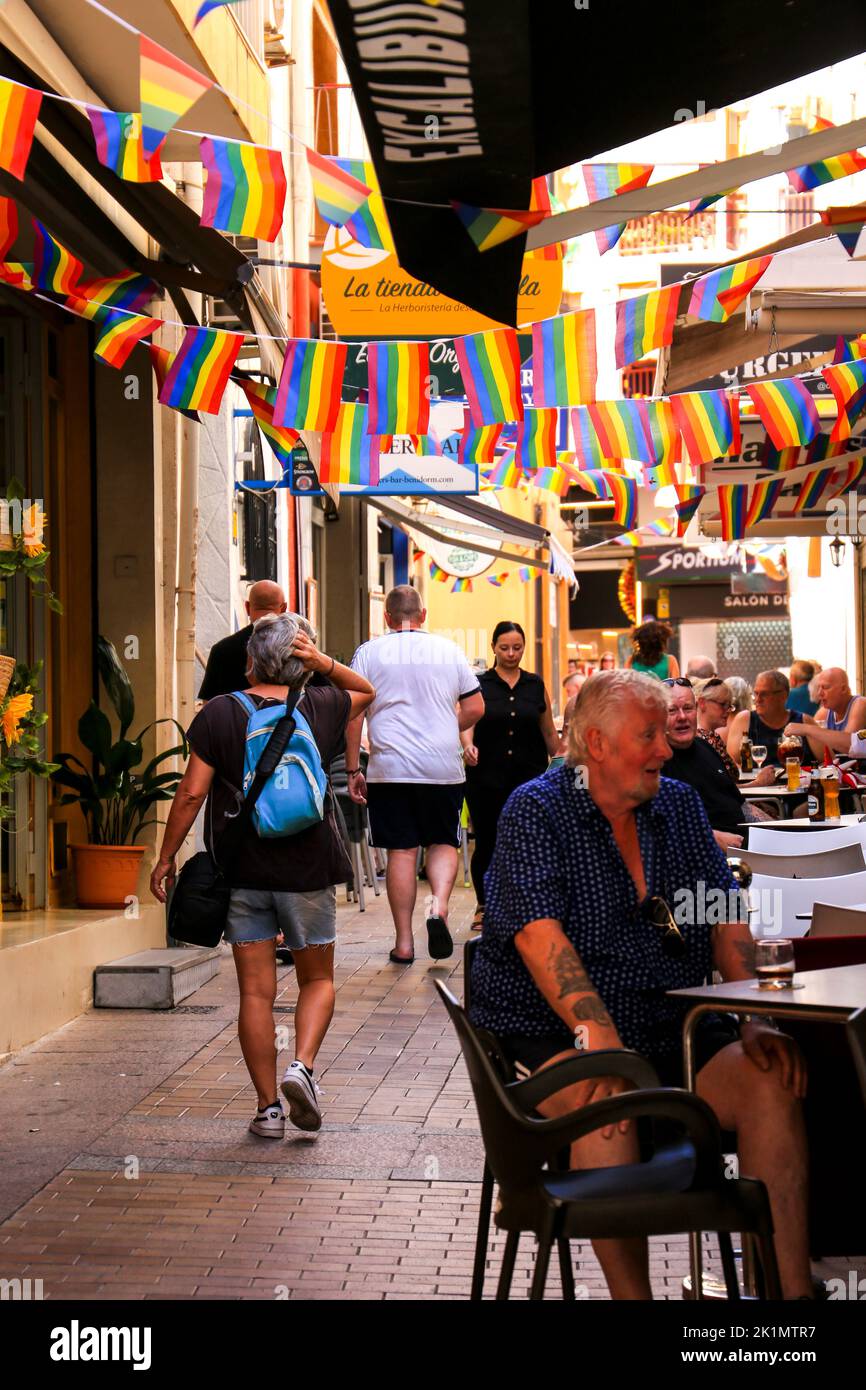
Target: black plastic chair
681, 1188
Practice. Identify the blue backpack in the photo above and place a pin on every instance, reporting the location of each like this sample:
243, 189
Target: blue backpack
293, 798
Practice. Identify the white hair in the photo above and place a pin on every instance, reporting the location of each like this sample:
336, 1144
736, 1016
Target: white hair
269, 650
601, 699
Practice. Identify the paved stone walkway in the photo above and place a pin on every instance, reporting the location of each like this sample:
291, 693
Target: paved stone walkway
127, 1171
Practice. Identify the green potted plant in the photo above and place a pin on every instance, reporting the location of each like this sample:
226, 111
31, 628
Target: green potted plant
115, 798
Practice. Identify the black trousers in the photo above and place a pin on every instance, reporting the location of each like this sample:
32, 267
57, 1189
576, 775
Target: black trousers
485, 807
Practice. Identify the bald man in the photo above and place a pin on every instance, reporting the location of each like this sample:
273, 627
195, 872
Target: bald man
227, 661
845, 714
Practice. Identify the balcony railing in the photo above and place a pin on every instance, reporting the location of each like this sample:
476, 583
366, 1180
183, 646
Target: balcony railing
250, 15
661, 232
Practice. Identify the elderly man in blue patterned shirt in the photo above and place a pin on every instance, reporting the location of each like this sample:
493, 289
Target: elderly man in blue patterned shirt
578, 950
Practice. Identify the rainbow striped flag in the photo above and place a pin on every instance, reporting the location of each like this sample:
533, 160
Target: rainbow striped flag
664, 432
539, 201
461, 586
644, 535
736, 445
54, 268
8, 226
623, 492
704, 421
823, 447
130, 291
261, 400
763, 499
118, 145
733, 505
207, 5
440, 575
621, 430
490, 367
837, 166
564, 361
350, 453
591, 480
119, 333
18, 274
160, 358
716, 296
812, 489
849, 349
605, 180
787, 410
308, 394
397, 381
506, 473
525, 573
536, 439
689, 498
369, 225
168, 88
847, 381
645, 322
245, 190
778, 460
491, 226
853, 474
199, 370
19, 112
551, 479
477, 445
338, 193
701, 204
423, 445
498, 579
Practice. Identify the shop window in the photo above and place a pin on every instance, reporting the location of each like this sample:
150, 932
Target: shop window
259, 515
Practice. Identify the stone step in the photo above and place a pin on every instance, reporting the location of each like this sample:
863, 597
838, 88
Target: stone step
155, 979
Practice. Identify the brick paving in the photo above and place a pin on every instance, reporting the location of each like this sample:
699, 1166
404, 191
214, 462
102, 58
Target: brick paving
128, 1171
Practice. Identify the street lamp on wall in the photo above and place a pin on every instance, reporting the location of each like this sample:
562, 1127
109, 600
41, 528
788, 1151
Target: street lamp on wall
837, 550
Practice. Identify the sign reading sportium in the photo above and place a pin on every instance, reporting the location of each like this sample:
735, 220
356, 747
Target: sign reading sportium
369, 295
682, 564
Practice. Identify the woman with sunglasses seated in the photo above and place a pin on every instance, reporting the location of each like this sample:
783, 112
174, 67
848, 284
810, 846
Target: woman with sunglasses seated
598, 905
650, 651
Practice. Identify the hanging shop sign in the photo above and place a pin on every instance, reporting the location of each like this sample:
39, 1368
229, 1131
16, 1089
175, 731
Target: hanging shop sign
457, 558
684, 564
705, 602
368, 294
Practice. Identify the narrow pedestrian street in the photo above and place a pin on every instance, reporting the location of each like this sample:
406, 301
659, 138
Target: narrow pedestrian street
126, 1168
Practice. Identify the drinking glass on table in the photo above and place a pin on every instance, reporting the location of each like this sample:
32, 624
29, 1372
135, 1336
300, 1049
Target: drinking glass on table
774, 964
759, 753
791, 750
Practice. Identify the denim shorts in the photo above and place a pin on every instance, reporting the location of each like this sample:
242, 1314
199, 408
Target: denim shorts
305, 919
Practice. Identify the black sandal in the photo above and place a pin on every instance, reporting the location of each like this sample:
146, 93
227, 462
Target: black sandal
400, 960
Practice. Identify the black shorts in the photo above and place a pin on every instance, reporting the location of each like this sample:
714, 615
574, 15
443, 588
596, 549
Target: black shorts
404, 815
714, 1031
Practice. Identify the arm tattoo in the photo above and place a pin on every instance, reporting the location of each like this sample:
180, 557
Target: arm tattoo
571, 978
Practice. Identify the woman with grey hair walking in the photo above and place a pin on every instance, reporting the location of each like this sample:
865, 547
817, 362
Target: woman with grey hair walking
278, 885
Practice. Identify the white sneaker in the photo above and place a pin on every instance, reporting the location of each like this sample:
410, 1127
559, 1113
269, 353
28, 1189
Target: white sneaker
269, 1123
301, 1093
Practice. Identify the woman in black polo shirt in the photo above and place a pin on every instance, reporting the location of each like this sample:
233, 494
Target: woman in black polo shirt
510, 745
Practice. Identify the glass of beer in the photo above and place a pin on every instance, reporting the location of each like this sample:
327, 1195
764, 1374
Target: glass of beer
774, 964
791, 750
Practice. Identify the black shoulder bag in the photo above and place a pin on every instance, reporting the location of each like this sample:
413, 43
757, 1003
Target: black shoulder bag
199, 902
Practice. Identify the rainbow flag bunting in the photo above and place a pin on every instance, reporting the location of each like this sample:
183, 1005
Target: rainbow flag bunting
564, 362
350, 453
623, 492
853, 474
440, 575
536, 439
261, 400
8, 226
736, 445
506, 473
621, 430
849, 349
704, 421
763, 499
525, 573
245, 190
423, 445
18, 274
644, 535
779, 460
605, 180
54, 268
497, 579
461, 586
199, 370
551, 479
490, 366
118, 145
812, 489
689, 497
837, 166
308, 394
119, 333
168, 88
847, 381
733, 505
397, 381
19, 112
369, 225
644, 323
701, 204
491, 226
664, 433
338, 193
160, 358
130, 291
207, 5
477, 445
824, 447
787, 410
591, 480
539, 201
716, 296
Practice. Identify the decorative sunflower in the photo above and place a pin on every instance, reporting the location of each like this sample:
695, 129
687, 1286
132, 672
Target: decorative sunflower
626, 592
14, 710
33, 529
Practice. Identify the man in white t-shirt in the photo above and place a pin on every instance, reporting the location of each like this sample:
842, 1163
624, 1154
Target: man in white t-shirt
426, 693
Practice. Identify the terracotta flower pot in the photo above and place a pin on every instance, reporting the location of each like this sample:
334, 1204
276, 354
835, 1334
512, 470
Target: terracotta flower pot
106, 875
